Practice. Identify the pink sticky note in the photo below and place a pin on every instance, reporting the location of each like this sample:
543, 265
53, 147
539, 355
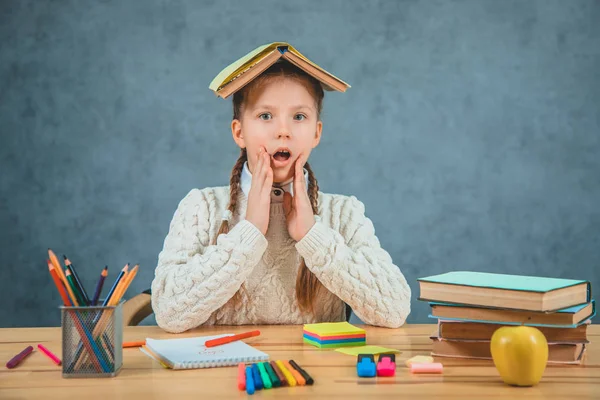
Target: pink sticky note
426, 368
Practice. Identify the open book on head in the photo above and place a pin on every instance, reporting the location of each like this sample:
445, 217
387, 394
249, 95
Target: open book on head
242, 71
189, 353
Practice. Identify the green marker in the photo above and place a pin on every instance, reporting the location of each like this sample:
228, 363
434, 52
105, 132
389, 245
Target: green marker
275, 382
264, 376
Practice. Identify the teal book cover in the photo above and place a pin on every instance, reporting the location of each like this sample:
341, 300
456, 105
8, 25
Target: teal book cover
502, 281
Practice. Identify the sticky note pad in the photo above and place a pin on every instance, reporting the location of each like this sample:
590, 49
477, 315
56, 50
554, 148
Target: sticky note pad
333, 328
355, 351
333, 335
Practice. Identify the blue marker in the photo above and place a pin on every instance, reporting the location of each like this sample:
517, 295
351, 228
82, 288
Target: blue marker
258, 384
249, 381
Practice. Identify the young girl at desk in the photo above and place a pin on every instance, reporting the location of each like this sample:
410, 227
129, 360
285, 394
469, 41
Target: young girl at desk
270, 248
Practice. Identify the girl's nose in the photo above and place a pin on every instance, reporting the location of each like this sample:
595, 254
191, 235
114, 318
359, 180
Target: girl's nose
284, 131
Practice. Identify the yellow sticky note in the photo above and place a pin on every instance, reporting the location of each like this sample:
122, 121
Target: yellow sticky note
333, 328
355, 351
419, 360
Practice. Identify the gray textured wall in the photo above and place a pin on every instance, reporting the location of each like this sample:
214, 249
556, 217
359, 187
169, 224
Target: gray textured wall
471, 131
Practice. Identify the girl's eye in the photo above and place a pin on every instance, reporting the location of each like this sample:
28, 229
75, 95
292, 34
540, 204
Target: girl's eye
300, 117
265, 116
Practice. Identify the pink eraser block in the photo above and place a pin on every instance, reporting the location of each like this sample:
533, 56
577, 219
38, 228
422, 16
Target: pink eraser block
386, 367
426, 368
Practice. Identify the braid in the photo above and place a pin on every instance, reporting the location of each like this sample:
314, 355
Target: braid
234, 190
307, 284
313, 189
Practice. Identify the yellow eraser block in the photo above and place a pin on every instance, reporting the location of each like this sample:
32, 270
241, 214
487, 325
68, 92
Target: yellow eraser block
419, 360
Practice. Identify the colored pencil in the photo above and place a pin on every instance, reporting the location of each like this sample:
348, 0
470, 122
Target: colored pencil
65, 283
114, 286
139, 343
74, 288
127, 279
229, 339
56, 264
16, 360
90, 347
99, 285
51, 356
80, 286
59, 285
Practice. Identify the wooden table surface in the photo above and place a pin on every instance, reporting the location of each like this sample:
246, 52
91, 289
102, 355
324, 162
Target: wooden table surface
334, 373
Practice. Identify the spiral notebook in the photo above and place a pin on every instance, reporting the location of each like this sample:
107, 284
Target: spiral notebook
187, 353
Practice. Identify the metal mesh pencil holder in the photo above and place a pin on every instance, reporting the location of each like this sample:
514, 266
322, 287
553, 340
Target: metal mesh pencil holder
92, 341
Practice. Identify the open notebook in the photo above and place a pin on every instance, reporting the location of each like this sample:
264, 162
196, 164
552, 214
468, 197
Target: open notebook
189, 353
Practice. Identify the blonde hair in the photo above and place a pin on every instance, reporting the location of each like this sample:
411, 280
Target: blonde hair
307, 284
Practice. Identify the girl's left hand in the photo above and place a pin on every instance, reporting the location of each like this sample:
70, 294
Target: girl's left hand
298, 211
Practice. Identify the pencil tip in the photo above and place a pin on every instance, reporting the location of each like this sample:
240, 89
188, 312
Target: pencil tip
65, 257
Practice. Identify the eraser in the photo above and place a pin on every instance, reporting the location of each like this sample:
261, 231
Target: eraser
386, 365
365, 366
419, 360
426, 368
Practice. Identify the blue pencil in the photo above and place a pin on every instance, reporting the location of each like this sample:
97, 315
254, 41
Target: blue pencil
99, 285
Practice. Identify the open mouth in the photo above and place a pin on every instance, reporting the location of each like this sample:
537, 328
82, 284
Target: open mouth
282, 154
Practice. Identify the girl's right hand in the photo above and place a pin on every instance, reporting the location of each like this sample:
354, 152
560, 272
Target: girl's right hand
259, 198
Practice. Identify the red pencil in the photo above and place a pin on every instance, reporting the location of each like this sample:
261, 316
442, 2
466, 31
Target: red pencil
51, 356
229, 339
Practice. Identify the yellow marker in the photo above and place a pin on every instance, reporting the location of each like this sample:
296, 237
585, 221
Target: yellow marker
288, 375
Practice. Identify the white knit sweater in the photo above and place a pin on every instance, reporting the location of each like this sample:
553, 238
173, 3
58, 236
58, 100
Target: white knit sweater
195, 280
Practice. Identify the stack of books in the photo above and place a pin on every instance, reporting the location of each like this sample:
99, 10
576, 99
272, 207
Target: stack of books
334, 334
470, 306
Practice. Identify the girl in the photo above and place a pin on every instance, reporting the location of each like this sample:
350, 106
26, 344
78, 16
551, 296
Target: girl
270, 248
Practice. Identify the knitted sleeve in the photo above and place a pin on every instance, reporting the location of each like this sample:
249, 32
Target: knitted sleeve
351, 264
194, 278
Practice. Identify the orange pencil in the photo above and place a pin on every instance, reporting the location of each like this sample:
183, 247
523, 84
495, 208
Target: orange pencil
126, 281
139, 343
56, 263
229, 339
59, 286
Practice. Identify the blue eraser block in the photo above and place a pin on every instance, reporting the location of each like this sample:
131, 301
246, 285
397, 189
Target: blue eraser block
365, 366
258, 383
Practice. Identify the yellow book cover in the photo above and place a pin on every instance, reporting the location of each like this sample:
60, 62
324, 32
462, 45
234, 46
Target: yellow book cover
268, 54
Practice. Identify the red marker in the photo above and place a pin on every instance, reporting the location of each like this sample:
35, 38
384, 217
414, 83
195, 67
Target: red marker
229, 339
19, 357
51, 356
242, 376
